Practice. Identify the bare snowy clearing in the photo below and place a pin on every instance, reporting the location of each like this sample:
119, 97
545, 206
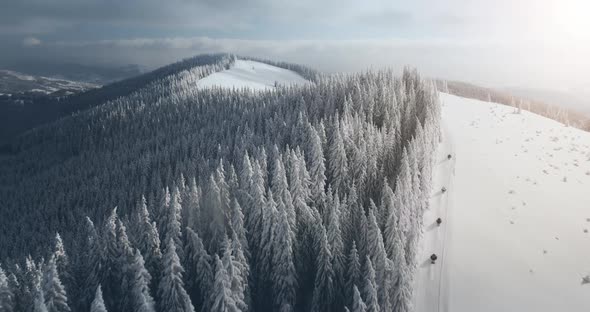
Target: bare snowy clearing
253, 75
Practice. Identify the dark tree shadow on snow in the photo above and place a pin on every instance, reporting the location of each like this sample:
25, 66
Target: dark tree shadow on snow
426, 263
432, 226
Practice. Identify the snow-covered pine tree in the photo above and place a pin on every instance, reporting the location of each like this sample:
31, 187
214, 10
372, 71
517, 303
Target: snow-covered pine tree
337, 250
386, 207
24, 286
172, 221
54, 292
139, 289
280, 189
111, 260
97, 304
300, 183
171, 292
254, 215
192, 207
124, 298
39, 300
262, 160
404, 193
162, 210
363, 240
338, 162
284, 276
357, 301
403, 293
213, 212
90, 271
237, 284
323, 293
124, 245
221, 295
200, 273
353, 275
237, 225
6, 295
265, 254
376, 251
317, 169
243, 267
148, 241
233, 181
370, 289
246, 181
224, 188
62, 262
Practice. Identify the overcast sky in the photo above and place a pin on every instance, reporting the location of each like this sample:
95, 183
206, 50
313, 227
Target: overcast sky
526, 43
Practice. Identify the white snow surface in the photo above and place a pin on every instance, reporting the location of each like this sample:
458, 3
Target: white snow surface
253, 75
515, 217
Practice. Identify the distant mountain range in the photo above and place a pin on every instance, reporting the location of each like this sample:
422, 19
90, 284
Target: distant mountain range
96, 74
14, 83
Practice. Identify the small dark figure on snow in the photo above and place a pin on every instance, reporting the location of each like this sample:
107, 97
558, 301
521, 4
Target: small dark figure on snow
449, 157
443, 189
433, 258
438, 221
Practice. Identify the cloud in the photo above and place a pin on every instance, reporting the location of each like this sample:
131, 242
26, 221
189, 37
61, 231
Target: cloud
387, 18
476, 40
256, 19
31, 42
476, 60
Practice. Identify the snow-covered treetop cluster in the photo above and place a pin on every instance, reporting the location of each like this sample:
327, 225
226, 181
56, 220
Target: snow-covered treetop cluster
303, 198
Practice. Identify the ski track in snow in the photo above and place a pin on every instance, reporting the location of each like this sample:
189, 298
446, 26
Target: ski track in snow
429, 280
253, 75
516, 214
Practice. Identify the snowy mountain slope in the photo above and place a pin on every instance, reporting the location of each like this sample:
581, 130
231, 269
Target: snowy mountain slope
253, 75
515, 225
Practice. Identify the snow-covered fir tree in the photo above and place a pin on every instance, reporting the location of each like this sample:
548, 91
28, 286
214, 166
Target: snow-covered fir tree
39, 301
323, 293
6, 295
222, 297
357, 301
173, 296
371, 289
354, 274
56, 299
98, 302
200, 269
141, 299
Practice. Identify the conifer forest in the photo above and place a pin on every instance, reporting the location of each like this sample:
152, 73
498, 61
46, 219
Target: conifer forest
167, 197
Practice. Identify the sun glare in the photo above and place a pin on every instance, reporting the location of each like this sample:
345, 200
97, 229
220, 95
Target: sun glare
571, 19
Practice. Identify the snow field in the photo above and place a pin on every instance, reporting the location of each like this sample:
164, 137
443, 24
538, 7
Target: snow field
253, 75
518, 213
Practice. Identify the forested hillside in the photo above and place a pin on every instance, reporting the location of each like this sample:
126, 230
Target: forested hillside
174, 198
36, 111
